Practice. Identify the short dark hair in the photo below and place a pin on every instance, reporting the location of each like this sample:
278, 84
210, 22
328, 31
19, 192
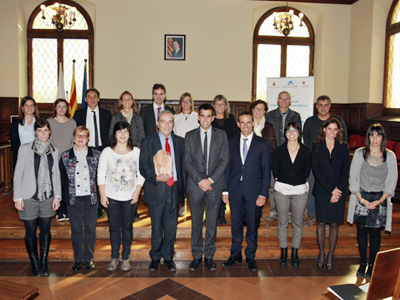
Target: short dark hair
92, 90
157, 86
323, 98
255, 103
40, 123
245, 113
120, 126
296, 126
207, 106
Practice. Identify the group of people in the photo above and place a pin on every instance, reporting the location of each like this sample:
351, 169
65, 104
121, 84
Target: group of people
97, 160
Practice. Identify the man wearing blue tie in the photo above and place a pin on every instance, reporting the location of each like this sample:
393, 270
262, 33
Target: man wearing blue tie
248, 176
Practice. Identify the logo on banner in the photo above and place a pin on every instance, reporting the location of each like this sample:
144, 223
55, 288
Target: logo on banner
274, 83
304, 85
290, 82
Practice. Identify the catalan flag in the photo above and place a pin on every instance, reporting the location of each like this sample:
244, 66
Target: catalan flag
170, 47
73, 103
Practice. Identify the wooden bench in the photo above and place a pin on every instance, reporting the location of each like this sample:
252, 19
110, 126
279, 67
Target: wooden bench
13, 291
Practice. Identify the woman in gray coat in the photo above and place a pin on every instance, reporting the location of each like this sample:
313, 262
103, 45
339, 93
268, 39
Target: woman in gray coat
37, 200
373, 179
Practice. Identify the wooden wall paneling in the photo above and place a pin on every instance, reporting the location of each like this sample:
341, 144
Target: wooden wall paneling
9, 106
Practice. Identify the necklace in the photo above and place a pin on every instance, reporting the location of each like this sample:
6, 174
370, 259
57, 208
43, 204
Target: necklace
186, 116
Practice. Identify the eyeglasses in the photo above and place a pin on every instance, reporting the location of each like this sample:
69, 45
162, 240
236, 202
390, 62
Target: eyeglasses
186, 101
80, 136
292, 130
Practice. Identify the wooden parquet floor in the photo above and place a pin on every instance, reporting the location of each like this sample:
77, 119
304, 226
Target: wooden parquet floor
12, 233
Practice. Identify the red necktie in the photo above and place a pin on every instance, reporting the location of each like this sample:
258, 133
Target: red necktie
168, 150
158, 113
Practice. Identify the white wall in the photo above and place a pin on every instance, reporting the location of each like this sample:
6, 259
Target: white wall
129, 42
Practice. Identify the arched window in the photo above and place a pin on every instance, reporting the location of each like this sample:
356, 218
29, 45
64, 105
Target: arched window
47, 47
275, 55
391, 91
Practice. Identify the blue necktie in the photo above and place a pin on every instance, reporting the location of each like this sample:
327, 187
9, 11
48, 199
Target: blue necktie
244, 149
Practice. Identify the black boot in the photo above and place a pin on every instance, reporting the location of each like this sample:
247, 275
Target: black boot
361, 270
283, 259
295, 257
31, 247
369, 272
44, 253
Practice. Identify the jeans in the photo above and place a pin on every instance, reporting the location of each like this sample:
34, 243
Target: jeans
83, 216
120, 216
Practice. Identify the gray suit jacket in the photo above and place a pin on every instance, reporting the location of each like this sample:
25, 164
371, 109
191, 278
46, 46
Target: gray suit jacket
24, 175
218, 159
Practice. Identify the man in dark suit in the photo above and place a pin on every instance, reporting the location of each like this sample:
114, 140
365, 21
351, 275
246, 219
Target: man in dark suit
248, 176
177, 50
162, 191
206, 158
150, 113
98, 121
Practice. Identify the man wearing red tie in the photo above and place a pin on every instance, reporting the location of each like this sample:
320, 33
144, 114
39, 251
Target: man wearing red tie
162, 191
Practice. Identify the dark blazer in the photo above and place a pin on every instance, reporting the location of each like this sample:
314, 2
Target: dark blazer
329, 175
149, 121
15, 141
137, 133
154, 190
268, 133
256, 171
291, 173
218, 159
230, 126
105, 121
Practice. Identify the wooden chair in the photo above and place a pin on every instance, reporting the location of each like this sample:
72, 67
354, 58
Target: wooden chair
385, 280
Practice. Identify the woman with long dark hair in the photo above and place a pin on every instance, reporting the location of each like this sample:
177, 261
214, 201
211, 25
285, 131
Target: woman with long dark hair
22, 129
373, 180
120, 183
330, 165
37, 193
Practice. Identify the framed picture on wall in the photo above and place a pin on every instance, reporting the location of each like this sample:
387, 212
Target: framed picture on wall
175, 47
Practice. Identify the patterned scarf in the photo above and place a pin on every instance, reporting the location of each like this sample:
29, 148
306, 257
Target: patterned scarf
128, 116
43, 176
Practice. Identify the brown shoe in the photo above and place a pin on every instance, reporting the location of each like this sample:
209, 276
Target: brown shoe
309, 221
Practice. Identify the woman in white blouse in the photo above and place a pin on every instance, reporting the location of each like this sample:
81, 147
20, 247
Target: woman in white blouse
120, 183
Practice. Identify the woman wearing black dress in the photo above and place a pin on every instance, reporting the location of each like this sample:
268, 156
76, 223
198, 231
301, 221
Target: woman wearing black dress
330, 165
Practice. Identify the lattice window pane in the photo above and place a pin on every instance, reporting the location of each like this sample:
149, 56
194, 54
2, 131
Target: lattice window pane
267, 28
393, 78
298, 61
79, 50
80, 23
44, 66
268, 65
396, 14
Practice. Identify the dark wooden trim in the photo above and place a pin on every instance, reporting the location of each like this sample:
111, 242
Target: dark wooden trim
283, 41
66, 34
8, 107
391, 29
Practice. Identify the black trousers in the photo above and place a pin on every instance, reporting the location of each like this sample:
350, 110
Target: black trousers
83, 220
164, 222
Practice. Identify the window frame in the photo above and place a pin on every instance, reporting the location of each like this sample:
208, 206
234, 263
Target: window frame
60, 37
391, 29
283, 42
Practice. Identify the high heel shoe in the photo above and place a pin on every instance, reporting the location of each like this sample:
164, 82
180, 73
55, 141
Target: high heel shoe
361, 270
329, 266
321, 265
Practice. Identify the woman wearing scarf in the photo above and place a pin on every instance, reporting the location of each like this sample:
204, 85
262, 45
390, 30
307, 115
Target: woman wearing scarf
37, 200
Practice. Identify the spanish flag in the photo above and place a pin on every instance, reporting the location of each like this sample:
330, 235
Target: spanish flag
73, 103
